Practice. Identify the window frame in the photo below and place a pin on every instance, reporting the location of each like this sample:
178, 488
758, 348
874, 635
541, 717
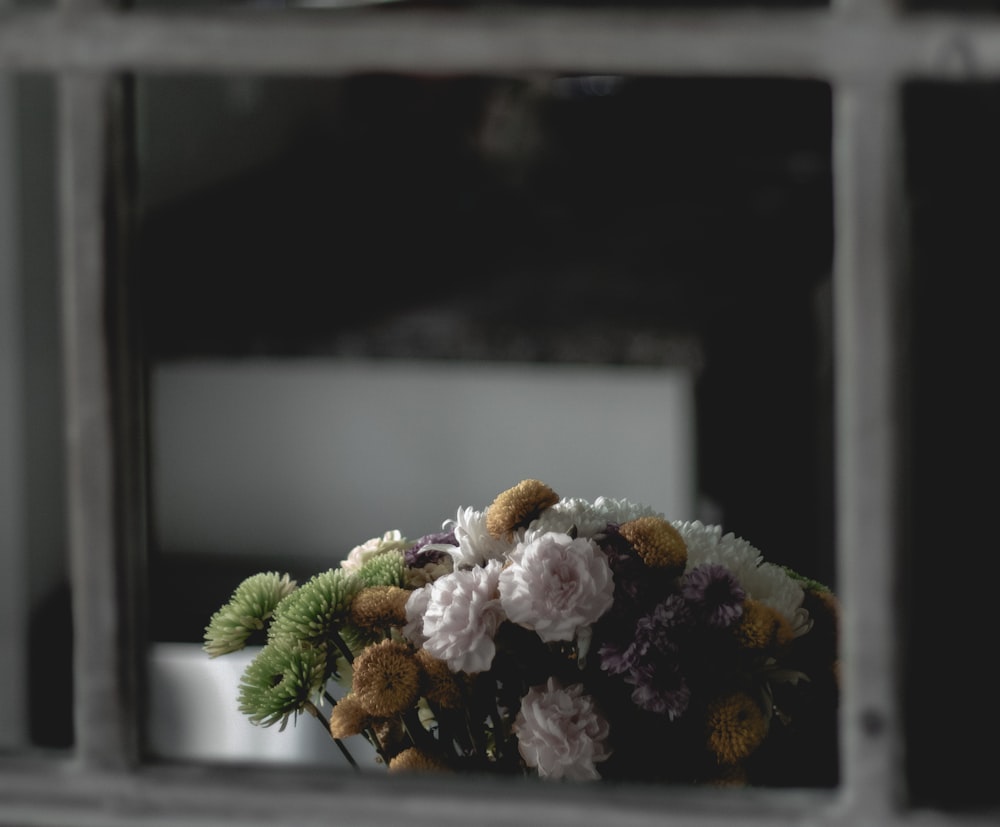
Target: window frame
865, 49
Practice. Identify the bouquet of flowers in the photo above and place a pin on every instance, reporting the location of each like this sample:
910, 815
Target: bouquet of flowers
554, 637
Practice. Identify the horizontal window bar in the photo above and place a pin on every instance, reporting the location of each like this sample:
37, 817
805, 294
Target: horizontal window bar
809, 43
54, 794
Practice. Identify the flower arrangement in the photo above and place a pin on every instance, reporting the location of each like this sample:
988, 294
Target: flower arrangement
553, 637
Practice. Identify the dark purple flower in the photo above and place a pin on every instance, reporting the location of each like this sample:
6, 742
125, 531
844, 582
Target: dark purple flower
715, 596
416, 556
660, 628
629, 641
618, 658
660, 687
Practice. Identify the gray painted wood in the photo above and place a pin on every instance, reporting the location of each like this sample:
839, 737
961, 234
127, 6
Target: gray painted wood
201, 795
810, 43
13, 527
867, 290
103, 703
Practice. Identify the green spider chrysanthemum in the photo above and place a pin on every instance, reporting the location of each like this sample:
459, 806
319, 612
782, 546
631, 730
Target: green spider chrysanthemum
386, 569
280, 681
249, 609
315, 611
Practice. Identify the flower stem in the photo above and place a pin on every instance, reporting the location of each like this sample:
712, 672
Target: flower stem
376, 742
419, 736
342, 647
312, 710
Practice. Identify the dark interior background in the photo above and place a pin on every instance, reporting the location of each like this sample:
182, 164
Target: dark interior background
953, 171
577, 219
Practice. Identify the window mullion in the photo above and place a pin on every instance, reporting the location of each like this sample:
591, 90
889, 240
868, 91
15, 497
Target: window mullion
868, 291
13, 570
104, 662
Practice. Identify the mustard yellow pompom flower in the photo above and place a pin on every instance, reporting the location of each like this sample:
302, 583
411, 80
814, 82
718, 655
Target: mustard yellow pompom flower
516, 507
378, 607
413, 759
763, 627
736, 726
386, 678
441, 686
348, 717
657, 542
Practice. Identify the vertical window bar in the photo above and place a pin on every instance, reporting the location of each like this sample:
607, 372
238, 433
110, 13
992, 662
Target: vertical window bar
869, 411
104, 696
13, 603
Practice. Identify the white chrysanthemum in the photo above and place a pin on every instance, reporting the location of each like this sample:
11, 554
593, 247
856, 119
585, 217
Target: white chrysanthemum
588, 518
359, 555
561, 733
557, 585
476, 546
762, 581
771, 585
706, 544
461, 613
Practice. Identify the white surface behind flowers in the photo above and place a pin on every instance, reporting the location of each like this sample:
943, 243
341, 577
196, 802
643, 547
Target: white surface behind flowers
313, 456
194, 705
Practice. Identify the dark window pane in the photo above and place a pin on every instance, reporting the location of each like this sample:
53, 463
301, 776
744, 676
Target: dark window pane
954, 174
38, 636
954, 5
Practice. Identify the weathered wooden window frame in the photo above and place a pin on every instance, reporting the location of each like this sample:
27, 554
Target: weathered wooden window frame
865, 49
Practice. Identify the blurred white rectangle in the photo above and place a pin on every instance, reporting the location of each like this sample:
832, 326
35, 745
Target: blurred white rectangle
314, 456
194, 714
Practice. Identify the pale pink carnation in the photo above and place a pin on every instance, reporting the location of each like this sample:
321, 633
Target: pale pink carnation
561, 733
416, 605
557, 585
457, 615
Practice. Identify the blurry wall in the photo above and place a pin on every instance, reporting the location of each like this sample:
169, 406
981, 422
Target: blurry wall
310, 457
